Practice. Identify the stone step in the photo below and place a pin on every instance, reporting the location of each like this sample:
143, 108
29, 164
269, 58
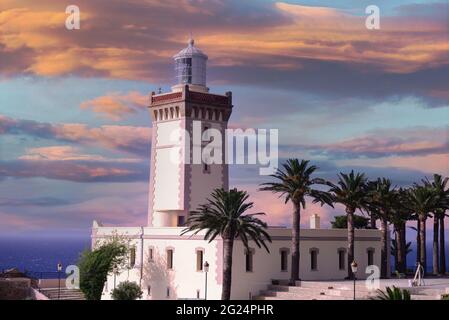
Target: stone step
64, 294
425, 297
273, 295
317, 291
347, 285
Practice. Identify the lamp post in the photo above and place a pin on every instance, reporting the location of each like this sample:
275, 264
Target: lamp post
115, 272
354, 271
206, 270
59, 280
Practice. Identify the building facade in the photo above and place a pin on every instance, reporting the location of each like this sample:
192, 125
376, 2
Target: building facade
168, 265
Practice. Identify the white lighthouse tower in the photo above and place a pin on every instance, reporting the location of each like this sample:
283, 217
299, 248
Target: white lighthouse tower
179, 182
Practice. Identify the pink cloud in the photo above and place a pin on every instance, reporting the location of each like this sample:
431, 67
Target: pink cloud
130, 139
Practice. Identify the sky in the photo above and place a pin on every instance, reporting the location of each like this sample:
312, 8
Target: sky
75, 130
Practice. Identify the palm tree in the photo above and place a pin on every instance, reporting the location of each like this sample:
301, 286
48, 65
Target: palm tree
350, 192
422, 200
295, 182
399, 217
441, 192
382, 196
224, 215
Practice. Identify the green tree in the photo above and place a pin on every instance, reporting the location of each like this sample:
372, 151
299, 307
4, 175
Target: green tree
381, 197
350, 192
97, 264
224, 215
400, 214
127, 291
341, 222
422, 201
294, 182
440, 188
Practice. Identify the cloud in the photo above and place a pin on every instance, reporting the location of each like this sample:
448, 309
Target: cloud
67, 153
115, 105
135, 140
272, 37
39, 202
76, 171
387, 143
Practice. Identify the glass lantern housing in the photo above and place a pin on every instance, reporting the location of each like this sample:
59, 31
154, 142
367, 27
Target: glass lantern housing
190, 66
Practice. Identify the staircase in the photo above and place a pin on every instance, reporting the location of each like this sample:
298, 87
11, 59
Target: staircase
334, 290
65, 294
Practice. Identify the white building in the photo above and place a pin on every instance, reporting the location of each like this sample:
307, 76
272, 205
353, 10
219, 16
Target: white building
170, 266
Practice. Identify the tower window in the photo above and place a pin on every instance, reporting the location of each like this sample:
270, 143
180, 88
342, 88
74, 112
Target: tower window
170, 259
151, 254
149, 290
168, 292
181, 221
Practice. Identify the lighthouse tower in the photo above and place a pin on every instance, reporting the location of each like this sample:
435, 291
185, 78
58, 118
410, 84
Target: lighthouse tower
179, 183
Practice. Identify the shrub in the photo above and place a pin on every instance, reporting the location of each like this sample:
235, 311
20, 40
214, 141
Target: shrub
95, 265
127, 291
393, 294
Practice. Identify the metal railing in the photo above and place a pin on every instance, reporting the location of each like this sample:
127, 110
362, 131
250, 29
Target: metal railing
418, 278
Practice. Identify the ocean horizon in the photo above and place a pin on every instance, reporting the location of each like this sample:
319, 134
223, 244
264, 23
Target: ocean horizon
42, 254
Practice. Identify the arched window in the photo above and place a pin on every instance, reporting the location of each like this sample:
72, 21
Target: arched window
170, 258
151, 254
132, 257
249, 266
341, 259
370, 255
314, 259
199, 259
284, 252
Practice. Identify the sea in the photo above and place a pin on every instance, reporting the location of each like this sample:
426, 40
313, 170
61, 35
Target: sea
41, 255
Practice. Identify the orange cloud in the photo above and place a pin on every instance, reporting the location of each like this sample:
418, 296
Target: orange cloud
283, 34
115, 105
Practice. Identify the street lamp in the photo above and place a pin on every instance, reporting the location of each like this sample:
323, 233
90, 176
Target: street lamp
354, 271
206, 270
59, 279
115, 271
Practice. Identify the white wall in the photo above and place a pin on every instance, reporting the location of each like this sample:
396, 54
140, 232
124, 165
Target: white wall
184, 280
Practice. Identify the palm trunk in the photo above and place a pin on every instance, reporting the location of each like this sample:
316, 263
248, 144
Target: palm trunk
442, 247
404, 246
422, 239
295, 243
384, 248
228, 245
435, 257
350, 221
418, 241
399, 249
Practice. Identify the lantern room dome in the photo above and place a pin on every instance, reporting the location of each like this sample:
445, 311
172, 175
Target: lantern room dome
190, 66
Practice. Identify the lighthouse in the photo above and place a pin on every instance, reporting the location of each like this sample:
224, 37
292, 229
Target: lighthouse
178, 183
